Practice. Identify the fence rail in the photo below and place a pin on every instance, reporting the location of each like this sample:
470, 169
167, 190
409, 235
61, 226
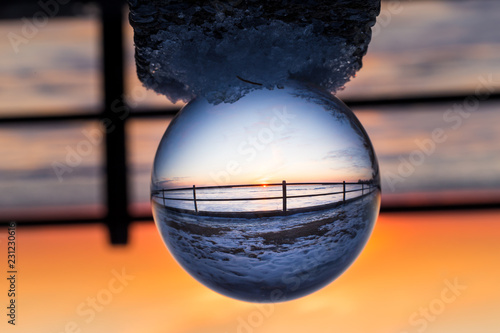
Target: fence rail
364, 187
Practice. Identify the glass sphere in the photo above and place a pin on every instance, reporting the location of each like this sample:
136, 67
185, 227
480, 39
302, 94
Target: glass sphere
269, 198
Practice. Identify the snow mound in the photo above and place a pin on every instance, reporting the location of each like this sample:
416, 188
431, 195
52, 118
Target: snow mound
221, 50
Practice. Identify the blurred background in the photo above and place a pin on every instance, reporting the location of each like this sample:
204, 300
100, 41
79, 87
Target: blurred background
78, 134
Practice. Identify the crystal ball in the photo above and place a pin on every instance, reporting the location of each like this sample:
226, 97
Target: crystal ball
269, 198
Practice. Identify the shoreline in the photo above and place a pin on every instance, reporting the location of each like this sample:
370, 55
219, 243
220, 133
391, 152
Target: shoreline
270, 213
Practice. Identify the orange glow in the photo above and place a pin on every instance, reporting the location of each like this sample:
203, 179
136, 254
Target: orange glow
408, 254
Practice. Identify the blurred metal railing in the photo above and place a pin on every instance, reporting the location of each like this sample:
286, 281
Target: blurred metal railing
117, 218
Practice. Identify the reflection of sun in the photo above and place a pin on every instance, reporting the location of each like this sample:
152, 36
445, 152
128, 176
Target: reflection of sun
264, 185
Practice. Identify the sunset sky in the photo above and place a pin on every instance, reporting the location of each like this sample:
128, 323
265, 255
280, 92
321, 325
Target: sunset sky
266, 137
404, 268
412, 53
429, 47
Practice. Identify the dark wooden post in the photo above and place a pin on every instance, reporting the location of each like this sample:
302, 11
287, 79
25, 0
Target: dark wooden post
284, 195
164, 205
362, 188
194, 199
113, 120
344, 191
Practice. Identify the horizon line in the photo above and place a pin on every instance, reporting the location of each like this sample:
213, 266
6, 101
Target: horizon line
359, 181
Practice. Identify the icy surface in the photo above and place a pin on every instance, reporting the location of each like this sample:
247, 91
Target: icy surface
269, 259
222, 50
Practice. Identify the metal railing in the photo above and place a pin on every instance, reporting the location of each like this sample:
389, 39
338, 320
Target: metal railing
117, 218
284, 197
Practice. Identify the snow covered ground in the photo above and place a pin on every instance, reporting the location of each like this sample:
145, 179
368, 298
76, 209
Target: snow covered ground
269, 259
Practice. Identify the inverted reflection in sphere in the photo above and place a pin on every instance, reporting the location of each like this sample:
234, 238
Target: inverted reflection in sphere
267, 199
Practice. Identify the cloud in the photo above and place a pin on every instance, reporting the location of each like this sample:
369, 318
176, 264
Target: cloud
167, 182
348, 158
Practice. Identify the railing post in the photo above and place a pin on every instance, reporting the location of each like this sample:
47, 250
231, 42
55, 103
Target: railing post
284, 195
194, 199
344, 192
163, 191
